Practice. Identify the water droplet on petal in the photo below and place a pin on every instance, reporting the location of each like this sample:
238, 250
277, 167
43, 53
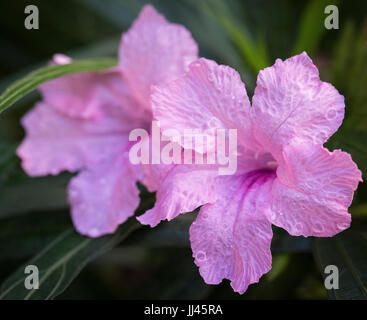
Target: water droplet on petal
318, 227
331, 114
73, 193
342, 226
201, 256
94, 232
298, 226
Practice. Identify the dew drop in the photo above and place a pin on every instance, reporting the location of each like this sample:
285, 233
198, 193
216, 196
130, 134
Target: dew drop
342, 226
73, 193
94, 232
331, 114
318, 227
298, 226
201, 256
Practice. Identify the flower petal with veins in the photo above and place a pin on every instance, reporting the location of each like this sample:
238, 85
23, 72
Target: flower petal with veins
291, 101
104, 196
153, 52
83, 95
231, 238
55, 142
306, 189
313, 191
84, 121
209, 96
184, 188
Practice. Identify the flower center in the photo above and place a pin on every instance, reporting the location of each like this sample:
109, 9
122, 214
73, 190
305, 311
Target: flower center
272, 165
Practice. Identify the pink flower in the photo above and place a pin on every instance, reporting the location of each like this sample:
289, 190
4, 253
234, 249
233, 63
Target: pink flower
285, 176
84, 121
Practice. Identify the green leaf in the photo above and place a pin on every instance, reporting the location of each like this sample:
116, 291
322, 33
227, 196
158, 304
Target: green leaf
359, 211
24, 195
254, 52
20, 194
312, 26
25, 235
347, 251
349, 74
61, 261
30, 82
173, 233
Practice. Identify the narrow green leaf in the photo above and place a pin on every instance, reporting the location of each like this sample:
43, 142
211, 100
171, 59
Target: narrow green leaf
348, 252
279, 265
359, 211
254, 52
23, 194
173, 233
312, 26
30, 82
349, 74
23, 236
61, 261
20, 193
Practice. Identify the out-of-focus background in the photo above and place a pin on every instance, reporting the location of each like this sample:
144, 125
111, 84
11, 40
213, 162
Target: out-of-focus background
157, 264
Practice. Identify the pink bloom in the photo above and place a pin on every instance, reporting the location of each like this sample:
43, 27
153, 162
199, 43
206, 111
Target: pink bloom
285, 176
84, 121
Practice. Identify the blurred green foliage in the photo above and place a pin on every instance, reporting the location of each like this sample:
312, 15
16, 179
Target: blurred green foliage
247, 35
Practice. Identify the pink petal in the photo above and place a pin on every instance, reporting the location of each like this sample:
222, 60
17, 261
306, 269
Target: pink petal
154, 175
154, 51
209, 96
55, 142
183, 189
231, 238
313, 191
104, 196
84, 95
290, 101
